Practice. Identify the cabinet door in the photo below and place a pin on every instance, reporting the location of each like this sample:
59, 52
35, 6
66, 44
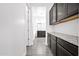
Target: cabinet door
51, 16
62, 52
50, 20
73, 49
78, 7
61, 11
72, 9
54, 13
53, 47
48, 39
40, 33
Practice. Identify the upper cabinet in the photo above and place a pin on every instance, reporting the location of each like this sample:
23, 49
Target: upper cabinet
54, 18
61, 11
78, 8
50, 16
72, 9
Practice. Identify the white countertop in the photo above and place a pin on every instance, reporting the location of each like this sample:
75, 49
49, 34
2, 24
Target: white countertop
70, 38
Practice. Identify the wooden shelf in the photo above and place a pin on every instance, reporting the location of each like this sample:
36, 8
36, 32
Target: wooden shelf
67, 19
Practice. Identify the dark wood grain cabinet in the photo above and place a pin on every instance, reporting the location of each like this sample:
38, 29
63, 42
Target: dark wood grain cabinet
54, 10
41, 33
53, 45
61, 51
50, 17
60, 47
61, 11
49, 40
52, 14
73, 49
72, 9
78, 8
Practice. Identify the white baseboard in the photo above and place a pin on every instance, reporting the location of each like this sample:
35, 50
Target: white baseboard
24, 54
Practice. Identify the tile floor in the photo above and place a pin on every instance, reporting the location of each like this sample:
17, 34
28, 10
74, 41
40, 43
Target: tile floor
39, 48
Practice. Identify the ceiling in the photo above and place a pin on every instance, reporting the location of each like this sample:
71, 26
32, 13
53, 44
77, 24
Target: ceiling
49, 5
41, 4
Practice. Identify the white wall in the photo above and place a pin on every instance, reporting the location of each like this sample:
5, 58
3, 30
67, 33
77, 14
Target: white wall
29, 28
69, 28
48, 27
30, 41
12, 29
27, 25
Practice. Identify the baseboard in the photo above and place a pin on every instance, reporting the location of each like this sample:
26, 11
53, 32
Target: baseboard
24, 54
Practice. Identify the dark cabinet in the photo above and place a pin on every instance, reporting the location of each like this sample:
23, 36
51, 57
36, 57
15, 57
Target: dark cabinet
73, 49
53, 45
61, 11
54, 10
41, 34
50, 19
62, 52
78, 8
61, 47
52, 14
49, 40
72, 9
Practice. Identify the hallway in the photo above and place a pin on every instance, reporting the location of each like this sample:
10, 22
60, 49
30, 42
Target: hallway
56, 23
39, 48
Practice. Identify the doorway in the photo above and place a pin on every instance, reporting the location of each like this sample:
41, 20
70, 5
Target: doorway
38, 28
39, 22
